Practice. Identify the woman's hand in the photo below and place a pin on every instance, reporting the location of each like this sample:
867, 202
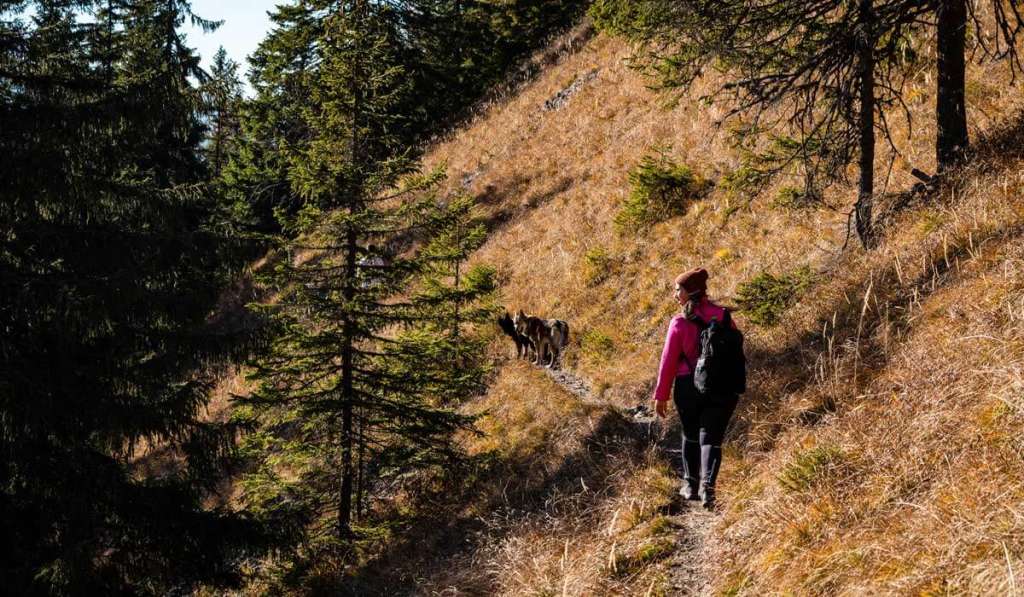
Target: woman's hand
661, 407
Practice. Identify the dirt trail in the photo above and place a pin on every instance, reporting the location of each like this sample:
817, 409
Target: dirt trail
689, 566
580, 387
574, 384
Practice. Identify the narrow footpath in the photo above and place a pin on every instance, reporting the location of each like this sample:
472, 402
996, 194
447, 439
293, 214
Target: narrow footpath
689, 566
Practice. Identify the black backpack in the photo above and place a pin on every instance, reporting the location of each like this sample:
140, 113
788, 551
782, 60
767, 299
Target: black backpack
721, 365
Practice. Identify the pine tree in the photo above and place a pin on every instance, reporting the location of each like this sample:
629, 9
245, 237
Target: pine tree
467, 46
222, 98
109, 266
453, 52
256, 178
352, 389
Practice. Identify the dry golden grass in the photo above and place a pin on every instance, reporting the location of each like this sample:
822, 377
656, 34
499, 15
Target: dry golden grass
570, 504
552, 181
878, 449
928, 497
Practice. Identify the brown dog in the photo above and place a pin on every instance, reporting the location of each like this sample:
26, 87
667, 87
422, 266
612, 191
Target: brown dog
549, 336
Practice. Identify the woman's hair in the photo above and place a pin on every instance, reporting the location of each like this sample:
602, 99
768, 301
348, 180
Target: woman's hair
691, 303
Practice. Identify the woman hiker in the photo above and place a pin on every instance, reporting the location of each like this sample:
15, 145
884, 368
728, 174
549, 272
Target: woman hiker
704, 417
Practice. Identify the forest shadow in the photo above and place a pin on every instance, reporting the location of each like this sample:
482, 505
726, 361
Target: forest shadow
515, 490
1000, 146
506, 200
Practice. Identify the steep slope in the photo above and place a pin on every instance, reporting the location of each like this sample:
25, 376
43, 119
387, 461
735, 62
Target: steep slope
878, 448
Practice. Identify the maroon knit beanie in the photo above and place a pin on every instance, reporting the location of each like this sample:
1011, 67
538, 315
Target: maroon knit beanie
694, 282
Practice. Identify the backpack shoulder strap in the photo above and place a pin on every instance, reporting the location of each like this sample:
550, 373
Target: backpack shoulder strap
697, 320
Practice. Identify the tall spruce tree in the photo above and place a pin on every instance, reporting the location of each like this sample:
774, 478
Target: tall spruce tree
222, 101
353, 386
109, 268
256, 177
453, 52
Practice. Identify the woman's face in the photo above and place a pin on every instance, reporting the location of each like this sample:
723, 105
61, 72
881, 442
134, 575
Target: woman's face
681, 296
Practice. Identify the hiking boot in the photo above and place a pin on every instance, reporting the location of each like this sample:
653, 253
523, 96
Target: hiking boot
707, 497
688, 491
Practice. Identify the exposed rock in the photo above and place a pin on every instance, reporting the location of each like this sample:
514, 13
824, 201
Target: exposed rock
562, 97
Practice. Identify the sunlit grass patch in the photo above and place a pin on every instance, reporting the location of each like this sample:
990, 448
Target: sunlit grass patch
650, 552
598, 265
596, 345
795, 198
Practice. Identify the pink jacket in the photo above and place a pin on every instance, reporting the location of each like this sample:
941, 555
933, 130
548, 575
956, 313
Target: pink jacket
682, 347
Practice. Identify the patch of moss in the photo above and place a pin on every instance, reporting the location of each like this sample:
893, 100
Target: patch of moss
653, 551
661, 525
744, 179
598, 264
596, 345
795, 198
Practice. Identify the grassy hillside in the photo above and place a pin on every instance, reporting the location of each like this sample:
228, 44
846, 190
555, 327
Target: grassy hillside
878, 448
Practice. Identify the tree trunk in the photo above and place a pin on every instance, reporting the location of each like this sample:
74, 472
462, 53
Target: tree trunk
950, 110
866, 187
217, 140
347, 391
361, 434
458, 263
355, 205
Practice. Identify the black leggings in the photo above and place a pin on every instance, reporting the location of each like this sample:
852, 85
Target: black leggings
704, 421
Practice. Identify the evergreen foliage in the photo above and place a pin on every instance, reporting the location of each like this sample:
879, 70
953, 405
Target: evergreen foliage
766, 296
256, 176
660, 189
451, 53
111, 262
373, 351
222, 97
599, 264
466, 46
795, 198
